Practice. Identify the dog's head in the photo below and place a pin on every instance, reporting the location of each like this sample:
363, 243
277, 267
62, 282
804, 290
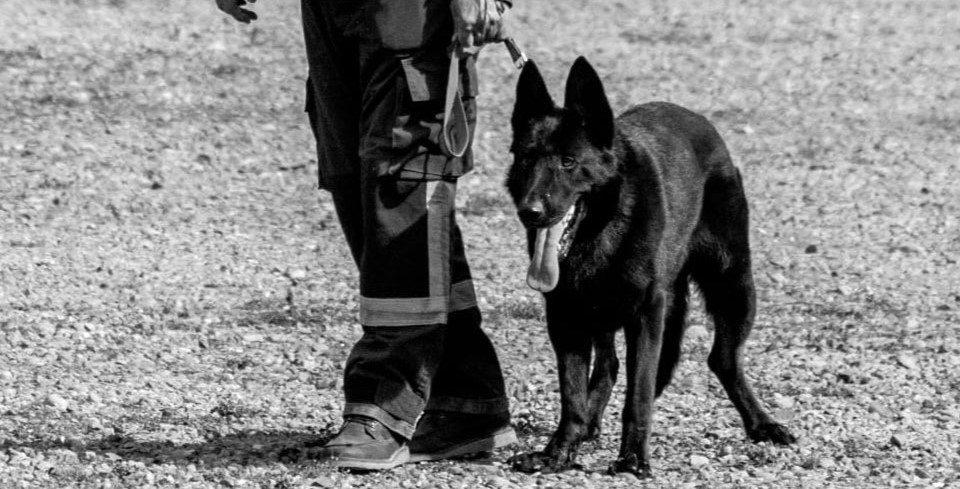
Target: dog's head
560, 155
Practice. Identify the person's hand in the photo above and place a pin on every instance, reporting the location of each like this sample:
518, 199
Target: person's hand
234, 9
477, 22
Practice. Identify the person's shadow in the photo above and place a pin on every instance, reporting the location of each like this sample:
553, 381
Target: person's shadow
246, 448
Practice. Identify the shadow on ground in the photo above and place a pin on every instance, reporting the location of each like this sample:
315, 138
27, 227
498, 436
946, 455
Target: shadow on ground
247, 448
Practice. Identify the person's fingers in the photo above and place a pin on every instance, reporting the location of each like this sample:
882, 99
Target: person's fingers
240, 15
496, 31
466, 38
492, 28
248, 15
232, 8
467, 43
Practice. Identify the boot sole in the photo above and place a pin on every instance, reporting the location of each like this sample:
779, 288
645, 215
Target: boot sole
503, 437
399, 457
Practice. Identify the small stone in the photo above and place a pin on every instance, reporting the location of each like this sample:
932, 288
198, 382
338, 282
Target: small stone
921, 473
487, 469
323, 481
810, 249
783, 401
696, 332
777, 277
497, 481
698, 461
628, 477
82, 97
908, 249
907, 361
880, 409
898, 440
784, 414
6, 375
58, 402
46, 329
252, 338
298, 274
827, 463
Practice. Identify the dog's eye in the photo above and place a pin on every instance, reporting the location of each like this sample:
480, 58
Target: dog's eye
568, 162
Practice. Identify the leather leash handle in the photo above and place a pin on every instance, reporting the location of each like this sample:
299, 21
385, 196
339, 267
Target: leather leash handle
456, 131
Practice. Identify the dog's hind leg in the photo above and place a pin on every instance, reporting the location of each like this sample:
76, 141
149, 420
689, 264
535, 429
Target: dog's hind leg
721, 268
602, 379
730, 300
673, 332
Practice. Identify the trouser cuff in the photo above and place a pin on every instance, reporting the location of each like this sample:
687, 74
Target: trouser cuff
393, 423
468, 406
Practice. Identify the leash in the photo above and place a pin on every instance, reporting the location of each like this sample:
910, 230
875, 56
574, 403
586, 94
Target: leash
456, 131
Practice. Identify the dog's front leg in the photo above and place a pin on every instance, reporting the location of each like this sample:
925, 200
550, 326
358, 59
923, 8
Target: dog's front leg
644, 337
572, 347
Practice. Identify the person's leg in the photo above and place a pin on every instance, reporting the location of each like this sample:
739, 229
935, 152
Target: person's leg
396, 207
468, 379
333, 105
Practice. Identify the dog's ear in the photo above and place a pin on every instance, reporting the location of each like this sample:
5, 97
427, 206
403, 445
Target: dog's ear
586, 97
533, 99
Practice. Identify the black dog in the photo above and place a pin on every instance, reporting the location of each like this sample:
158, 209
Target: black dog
621, 215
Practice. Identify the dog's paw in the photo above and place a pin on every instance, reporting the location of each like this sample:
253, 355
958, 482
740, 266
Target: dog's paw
772, 432
593, 432
543, 462
632, 464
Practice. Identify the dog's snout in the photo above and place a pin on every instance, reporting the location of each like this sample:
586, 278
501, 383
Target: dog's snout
531, 211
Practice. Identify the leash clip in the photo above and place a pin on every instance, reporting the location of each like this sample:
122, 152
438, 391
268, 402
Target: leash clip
519, 58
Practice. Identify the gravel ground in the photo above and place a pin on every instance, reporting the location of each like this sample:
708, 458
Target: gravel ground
176, 301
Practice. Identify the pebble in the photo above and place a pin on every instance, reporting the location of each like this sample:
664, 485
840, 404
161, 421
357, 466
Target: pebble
487, 469
696, 332
252, 338
628, 477
58, 402
907, 361
783, 401
298, 274
46, 329
498, 482
880, 409
698, 461
82, 97
323, 481
898, 440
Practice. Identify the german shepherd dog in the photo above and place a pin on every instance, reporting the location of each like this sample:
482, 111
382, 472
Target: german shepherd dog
621, 215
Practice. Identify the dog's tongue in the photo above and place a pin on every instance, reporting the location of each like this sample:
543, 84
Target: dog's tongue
544, 272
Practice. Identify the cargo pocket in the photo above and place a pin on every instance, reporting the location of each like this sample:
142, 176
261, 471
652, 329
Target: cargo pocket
416, 135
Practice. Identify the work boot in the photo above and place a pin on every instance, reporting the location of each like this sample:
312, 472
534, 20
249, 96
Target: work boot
364, 444
442, 435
